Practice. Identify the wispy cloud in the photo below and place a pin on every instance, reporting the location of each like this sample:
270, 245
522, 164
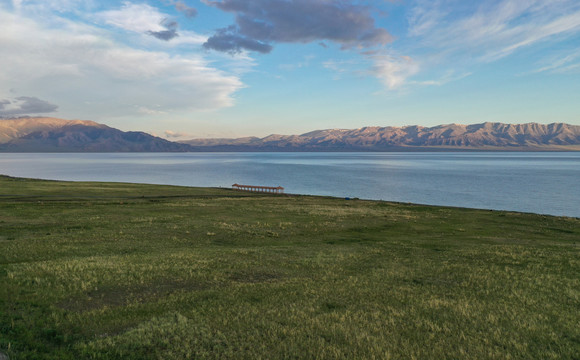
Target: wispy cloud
494, 29
339, 66
342, 67
449, 76
393, 71
306, 60
460, 35
561, 63
526, 35
425, 15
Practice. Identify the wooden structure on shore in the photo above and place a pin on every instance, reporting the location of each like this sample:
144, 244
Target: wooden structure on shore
264, 189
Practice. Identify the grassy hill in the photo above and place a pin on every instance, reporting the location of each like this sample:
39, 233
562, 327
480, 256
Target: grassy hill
126, 271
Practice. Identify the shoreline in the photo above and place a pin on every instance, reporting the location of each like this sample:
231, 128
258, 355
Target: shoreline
243, 194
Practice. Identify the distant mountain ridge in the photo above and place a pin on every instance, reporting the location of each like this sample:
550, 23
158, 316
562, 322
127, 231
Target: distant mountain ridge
486, 136
43, 134
57, 135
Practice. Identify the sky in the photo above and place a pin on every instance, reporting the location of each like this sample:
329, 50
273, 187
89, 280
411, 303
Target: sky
183, 69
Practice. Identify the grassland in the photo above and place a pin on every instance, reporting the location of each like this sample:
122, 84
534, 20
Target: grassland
126, 271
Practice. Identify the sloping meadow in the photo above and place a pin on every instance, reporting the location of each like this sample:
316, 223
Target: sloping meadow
106, 271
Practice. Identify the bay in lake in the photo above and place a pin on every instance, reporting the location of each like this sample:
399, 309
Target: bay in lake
546, 183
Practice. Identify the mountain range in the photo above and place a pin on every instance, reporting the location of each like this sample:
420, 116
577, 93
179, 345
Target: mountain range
42, 134
486, 136
57, 135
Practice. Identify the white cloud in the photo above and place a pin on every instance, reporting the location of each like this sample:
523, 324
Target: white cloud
47, 6
146, 20
393, 71
177, 135
84, 71
149, 111
16, 4
134, 17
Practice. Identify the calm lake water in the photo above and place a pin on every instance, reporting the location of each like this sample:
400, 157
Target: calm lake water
546, 183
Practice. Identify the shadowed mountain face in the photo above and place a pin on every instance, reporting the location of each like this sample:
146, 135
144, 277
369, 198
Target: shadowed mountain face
57, 135
486, 136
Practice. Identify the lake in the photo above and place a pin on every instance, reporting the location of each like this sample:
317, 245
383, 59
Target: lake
543, 182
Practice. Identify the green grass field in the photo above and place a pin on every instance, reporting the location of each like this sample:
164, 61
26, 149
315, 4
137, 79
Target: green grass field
126, 271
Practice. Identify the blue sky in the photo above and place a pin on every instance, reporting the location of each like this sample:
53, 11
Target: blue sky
231, 68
